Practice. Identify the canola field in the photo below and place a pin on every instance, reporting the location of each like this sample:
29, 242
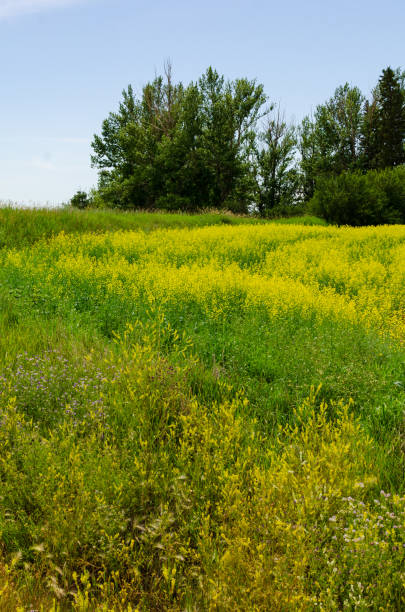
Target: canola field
205, 418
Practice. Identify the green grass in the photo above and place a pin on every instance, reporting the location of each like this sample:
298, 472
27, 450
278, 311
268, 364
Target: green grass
303, 220
180, 465
23, 226
276, 361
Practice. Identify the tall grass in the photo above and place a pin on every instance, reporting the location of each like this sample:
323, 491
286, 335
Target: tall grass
209, 419
24, 226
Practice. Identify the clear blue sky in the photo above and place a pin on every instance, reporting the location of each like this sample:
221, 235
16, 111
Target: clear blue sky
64, 64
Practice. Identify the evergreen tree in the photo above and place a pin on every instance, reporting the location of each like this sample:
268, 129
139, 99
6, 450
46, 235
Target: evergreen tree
391, 120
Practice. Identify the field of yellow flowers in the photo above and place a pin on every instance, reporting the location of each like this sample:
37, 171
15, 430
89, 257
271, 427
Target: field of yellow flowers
203, 418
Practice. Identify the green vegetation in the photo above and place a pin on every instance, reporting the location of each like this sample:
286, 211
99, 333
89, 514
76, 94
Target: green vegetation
24, 226
205, 416
355, 198
222, 144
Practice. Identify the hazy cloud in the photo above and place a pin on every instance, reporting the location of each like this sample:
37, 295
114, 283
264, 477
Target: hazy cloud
12, 8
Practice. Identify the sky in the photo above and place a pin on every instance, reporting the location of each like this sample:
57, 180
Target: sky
64, 63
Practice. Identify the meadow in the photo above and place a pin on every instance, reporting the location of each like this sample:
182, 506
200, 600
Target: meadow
200, 413
23, 226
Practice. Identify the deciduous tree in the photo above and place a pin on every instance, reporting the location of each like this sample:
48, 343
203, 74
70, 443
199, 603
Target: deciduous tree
277, 169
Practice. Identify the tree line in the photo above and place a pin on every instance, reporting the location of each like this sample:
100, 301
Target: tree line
218, 143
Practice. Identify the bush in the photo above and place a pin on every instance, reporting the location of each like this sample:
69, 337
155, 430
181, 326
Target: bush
80, 200
353, 198
286, 210
392, 182
173, 202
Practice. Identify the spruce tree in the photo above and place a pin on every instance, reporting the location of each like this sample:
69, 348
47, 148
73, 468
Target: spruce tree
391, 120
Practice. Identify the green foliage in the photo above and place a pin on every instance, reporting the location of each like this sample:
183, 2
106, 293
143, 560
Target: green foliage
287, 210
308, 156
80, 200
20, 227
201, 146
153, 498
348, 199
330, 141
230, 111
370, 136
348, 133
278, 178
383, 132
353, 198
391, 182
391, 120
186, 461
186, 145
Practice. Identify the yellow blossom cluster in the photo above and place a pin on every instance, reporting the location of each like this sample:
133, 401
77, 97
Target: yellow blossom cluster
346, 274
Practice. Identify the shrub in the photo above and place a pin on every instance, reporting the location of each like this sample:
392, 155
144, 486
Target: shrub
349, 199
173, 202
80, 200
392, 182
286, 210
353, 198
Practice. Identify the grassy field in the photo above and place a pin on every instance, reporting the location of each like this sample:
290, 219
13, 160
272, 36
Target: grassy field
23, 226
200, 413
